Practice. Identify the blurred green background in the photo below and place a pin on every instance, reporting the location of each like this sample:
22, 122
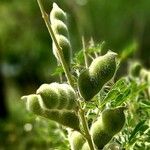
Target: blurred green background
26, 58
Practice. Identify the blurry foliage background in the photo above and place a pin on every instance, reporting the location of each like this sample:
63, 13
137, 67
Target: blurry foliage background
26, 58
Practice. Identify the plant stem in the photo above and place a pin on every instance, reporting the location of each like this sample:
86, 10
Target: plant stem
86, 129
85, 53
59, 50
67, 73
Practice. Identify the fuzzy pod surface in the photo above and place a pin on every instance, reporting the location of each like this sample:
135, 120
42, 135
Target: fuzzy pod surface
108, 124
57, 96
50, 95
76, 140
101, 70
34, 104
134, 69
112, 146
58, 19
70, 119
70, 95
57, 14
85, 146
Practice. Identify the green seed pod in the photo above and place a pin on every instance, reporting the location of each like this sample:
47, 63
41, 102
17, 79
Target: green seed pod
60, 28
76, 140
58, 20
134, 69
86, 85
112, 146
34, 104
64, 117
70, 119
71, 96
53, 114
57, 96
86, 146
100, 71
63, 97
113, 120
64, 43
50, 95
57, 14
110, 123
100, 138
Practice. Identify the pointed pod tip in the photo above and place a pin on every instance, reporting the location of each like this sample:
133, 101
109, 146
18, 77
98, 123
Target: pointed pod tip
24, 97
113, 53
55, 5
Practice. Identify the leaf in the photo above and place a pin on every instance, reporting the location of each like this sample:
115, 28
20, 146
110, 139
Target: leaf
130, 49
58, 71
120, 84
136, 130
79, 57
96, 48
110, 96
123, 97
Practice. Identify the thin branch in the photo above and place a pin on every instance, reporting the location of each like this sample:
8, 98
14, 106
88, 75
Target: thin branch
85, 53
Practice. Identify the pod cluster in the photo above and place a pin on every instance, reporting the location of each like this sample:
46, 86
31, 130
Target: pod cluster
58, 19
56, 102
107, 125
136, 70
100, 71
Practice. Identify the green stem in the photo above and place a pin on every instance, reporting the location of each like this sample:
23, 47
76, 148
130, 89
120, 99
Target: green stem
67, 73
85, 53
86, 129
59, 50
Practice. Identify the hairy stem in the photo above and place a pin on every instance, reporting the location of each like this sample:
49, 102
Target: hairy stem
86, 129
67, 73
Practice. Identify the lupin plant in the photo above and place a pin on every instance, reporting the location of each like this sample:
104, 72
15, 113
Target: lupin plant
72, 102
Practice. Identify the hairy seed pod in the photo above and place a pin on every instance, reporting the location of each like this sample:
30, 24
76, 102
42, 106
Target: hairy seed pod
53, 114
86, 146
87, 86
113, 120
76, 140
134, 69
70, 119
64, 117
71, 96
58, 20
57, 14
101, 70
57, 96
65, 46
50, 95
108, 124
62, 95
60, 28
34, 104
112, 146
